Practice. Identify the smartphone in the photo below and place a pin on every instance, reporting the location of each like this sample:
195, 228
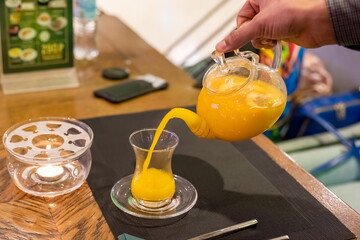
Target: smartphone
132, 88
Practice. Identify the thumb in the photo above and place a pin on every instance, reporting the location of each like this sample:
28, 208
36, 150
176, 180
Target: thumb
237, 38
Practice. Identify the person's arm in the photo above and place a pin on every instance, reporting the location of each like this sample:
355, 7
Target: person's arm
304, 22
345, 17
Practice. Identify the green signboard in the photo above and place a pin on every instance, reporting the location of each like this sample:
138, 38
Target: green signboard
36, 35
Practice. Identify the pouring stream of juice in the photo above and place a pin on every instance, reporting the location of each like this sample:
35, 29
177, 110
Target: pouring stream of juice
236, 117
191, 119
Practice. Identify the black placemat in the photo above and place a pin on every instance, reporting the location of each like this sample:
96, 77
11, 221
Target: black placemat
236, 182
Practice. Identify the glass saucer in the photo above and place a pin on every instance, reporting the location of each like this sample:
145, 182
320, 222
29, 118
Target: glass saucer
184, 199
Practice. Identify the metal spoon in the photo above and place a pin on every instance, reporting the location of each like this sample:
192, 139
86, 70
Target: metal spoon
225, 230
284, 237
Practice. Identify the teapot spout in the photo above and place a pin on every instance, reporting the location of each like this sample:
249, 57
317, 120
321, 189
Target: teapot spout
195, 123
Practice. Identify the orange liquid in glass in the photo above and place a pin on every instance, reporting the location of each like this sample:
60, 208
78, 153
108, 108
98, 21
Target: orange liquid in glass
153, 185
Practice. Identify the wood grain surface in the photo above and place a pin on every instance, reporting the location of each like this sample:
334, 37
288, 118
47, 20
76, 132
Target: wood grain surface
77, 215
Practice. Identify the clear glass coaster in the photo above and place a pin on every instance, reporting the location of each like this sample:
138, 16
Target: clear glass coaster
183, 200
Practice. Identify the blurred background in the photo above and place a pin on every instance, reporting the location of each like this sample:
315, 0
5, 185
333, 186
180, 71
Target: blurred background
186, 32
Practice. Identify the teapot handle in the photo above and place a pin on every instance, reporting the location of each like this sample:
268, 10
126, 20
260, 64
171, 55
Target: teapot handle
277, 56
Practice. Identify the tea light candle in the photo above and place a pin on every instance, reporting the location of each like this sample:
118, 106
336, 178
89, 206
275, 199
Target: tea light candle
50, 173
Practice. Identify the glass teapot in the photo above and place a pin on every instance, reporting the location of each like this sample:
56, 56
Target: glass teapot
240, 98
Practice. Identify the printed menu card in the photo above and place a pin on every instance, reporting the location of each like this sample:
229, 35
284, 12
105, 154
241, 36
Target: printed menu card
36, 45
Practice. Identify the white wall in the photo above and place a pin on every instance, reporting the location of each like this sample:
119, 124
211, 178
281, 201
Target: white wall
185, 31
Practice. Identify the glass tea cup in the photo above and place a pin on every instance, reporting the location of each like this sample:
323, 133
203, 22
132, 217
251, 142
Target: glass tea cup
153, 191
153, 183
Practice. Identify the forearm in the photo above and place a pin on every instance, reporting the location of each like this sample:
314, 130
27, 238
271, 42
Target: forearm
345, 17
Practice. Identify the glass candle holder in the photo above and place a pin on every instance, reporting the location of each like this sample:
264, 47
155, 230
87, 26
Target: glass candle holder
48, 156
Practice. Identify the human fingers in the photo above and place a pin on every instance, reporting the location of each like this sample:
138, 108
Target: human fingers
237, 38
247, 12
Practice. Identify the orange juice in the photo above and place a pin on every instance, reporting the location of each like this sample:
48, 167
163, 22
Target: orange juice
153, 185
239, 111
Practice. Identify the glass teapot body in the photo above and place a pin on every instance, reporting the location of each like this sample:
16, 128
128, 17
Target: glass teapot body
240, 98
